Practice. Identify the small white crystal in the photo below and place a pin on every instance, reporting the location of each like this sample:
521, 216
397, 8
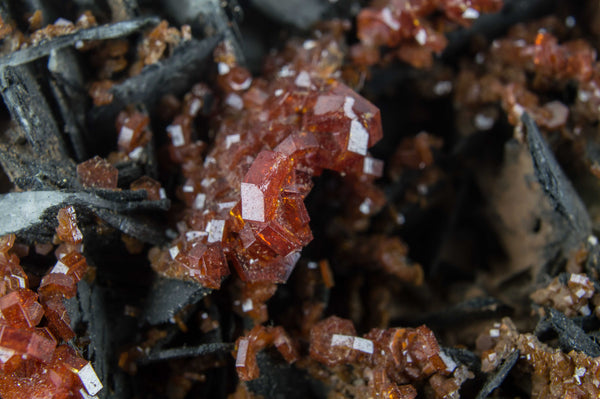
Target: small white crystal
215, 230
89, 379
176, 134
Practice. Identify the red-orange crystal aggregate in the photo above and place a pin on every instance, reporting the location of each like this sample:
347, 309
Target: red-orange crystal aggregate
246, 199
408, 27
256, 340
133, 131
395, 358
97, 172
514, 67
34, 363
555, 374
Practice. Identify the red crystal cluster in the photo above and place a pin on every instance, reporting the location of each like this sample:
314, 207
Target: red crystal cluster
256, 340
392, 361
555, 374
246, 200
395, 358
134, 136
408, 27
33, 361
97, 172
529, 62
571, 298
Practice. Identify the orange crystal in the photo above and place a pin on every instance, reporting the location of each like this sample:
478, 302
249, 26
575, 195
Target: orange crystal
16, 342
409, 27
67, 229
331, 341
152, 187
256, 340
133, 130
272, 136
31, 364
97, 172
20, 309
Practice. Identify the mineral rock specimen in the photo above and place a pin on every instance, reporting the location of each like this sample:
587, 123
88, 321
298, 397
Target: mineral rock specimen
246, 201
97, 172
408, 27
554, 374
394, 358
257, 339
571, 298
35, 362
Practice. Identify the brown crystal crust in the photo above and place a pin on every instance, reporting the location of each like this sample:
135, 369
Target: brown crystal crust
36, 362
14, 39
260, 337
67, 229
572, 298
246, 199
97, 172
521, 68
394, 358
554, 374
411, 29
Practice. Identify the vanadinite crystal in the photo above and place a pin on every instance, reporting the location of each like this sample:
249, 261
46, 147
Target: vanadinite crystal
97, 172
34, 363
408, 27
246, 200
256, 340
395, 357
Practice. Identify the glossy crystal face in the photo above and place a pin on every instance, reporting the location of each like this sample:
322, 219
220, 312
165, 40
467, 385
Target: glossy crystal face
247, 194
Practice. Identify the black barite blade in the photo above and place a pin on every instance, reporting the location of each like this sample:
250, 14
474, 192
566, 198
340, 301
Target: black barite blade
104, 32
169, 296
570, 335
496, 379
32, 214
279, 379
556, 186
186, 352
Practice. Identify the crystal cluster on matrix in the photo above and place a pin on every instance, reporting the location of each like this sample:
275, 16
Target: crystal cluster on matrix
395, 358
409, 29
259, 338
34, 360
521, 68
245, 201
97, 172
571, 298
134, 133
554, 374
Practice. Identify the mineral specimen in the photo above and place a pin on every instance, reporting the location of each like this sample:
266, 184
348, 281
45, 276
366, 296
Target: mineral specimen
407, 27
554, 374
97, 172
257, 339
35, 362
246, 201
394, 358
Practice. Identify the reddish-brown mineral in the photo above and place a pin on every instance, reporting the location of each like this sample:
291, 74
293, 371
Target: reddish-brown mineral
554, 374
408, 27
97, 172
67, 229
246, 200
571, 298
153, 189
256, 340
395, 357
32, 365
133, 132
